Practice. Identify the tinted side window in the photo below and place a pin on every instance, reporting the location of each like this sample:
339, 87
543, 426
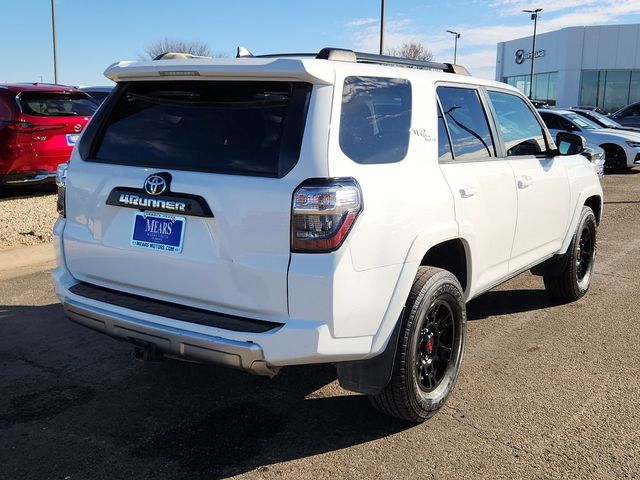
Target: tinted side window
631, 111
444, 145
551, 121
5, 110
375, 119
467, 122
520, 129
568, 126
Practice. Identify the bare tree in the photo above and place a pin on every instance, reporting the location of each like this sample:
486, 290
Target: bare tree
414, 50
172, 45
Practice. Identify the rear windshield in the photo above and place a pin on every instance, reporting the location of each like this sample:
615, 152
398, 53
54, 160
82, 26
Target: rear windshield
45, 104
235, 127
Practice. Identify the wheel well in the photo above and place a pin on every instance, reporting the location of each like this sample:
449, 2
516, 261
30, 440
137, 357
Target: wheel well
450, 255
613, 146
595, 203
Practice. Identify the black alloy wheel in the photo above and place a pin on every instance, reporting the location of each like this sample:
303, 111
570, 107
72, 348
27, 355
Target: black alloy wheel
585, 254
614, 160
435, 345
430, 348
575, 278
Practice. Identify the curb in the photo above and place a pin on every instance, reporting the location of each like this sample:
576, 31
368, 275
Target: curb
26, 257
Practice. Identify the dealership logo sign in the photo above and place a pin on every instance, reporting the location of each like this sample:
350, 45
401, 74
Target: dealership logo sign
521, 55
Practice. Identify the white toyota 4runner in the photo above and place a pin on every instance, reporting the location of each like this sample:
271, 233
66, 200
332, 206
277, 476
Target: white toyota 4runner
343, 207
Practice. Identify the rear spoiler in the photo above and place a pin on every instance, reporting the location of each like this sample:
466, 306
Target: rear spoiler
293, 69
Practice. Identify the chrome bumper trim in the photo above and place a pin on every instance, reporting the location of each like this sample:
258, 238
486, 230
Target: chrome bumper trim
36, 178
183, 343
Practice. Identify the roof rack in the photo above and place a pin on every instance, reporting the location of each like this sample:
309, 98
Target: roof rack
177, 55
345, 55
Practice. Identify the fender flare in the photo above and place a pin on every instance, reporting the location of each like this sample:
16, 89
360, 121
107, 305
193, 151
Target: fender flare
586, 193
371, 375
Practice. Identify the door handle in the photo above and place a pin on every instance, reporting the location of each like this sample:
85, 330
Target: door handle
525, 182
467, 191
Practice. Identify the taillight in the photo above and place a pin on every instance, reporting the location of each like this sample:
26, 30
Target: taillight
61, 181
323, 213
28, 127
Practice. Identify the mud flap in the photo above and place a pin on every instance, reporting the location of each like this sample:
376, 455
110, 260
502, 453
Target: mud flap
370, 376
552, 267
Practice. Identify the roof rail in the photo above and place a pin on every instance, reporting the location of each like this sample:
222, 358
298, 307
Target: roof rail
362, 57
345, 55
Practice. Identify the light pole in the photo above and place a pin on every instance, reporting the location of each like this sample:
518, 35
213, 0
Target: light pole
55, 48
534, 17
455, 46
382, 28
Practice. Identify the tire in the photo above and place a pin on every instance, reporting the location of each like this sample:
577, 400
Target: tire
575, 279
615, 160
430, 348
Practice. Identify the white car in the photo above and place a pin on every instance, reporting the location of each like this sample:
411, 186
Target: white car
622, 147
343, 207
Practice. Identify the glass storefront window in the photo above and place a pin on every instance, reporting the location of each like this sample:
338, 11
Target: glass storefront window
551, 94
589, 89
616, 90
634, 90
544, 85
610, 89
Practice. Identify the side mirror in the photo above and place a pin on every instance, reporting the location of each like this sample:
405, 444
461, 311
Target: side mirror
569, 143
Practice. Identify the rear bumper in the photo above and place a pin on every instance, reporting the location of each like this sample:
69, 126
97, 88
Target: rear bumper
22, 164
29, 178
184, 343
296, 342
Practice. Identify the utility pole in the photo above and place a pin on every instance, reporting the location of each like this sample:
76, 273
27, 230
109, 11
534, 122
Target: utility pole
534, 17
382, 28
455, 46
55, 48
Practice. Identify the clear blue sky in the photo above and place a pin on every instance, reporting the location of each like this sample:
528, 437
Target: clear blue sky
92, 34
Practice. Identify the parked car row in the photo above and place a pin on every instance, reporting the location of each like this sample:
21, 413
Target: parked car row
39, 125
621, 144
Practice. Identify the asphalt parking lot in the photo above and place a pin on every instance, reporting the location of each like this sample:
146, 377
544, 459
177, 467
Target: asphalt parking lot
546, 391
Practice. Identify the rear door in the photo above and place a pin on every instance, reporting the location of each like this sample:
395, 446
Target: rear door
225, 153
482, 184
541, 181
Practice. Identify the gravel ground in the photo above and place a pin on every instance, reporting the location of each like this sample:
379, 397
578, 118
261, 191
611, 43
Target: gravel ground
27, 221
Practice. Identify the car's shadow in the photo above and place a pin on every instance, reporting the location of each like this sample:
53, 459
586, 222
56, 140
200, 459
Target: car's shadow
627, 171
505, 302
173, 419
8, 192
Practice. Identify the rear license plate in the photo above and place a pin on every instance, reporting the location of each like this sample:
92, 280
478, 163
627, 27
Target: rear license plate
72, 139
158, 231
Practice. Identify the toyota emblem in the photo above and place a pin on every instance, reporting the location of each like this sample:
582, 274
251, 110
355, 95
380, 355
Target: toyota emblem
156, 184
77, 127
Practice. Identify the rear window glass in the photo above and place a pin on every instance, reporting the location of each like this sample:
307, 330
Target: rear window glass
375, 119
47, 104
239, 127
467, 122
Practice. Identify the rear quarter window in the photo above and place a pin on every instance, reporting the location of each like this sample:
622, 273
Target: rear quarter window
232, 127
375, 119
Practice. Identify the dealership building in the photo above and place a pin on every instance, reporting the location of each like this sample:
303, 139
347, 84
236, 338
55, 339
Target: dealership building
590, 66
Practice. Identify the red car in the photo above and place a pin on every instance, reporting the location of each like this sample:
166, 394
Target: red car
39, 125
